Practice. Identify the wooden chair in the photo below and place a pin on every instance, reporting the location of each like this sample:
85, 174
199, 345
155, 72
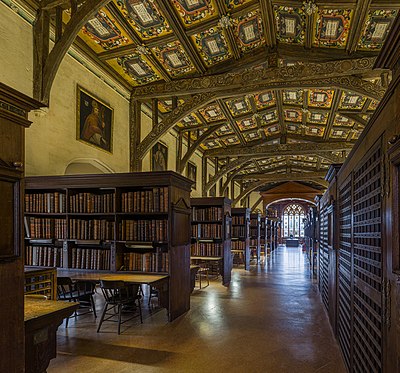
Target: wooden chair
81, 291
120, 297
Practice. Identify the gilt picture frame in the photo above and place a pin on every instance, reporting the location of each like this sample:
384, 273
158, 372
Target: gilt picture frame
159, 157
94, 121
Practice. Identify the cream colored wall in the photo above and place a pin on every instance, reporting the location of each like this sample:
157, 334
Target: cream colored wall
51, 154
254, 196
15, 63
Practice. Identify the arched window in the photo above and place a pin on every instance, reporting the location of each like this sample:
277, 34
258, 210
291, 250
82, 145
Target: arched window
293, 216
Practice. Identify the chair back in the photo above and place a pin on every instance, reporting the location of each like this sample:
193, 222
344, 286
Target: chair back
115, 291
65, 288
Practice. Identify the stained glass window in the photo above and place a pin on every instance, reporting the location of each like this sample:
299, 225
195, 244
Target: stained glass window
293, 224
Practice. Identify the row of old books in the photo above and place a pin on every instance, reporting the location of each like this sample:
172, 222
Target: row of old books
143, 230
44, 256
205, 230
253, 232
45, 228
83, 258
94, 229
52, 202
85, 202
238, 220
209, 213
146, 262
238, 245
253, 242
239, 232
206, 249
154, 200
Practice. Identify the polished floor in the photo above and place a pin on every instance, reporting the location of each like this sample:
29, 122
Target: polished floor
270, 319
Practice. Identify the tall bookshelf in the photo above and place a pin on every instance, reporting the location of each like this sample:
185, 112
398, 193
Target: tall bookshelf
255, 235
263, 235
131, 222
241, 235
211, 233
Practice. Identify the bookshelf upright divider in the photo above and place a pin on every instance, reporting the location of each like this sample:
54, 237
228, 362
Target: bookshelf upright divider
263, 235
211, 234
255, 238
241, 234
135, 222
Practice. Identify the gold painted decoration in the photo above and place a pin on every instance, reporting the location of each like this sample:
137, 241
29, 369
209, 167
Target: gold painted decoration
190, 121
249, 31
320, 98
252, 135
332, 27
102, 33
269, 117
174, 59
212, 45
212, 113
231, 140
293, 128
272, 130
145, 17
239, 106
165, 106
273, 142
376, 28
339, 133
233, 4
317, 117
246, 124
293, 115
341, 120
224, 130
211, 144
293, 96
356, 135
296, 141
290, 24
265, 100
314, 131
352, 101
192, 12
373, 105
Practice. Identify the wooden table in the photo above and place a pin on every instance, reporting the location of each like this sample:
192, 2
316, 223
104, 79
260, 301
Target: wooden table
159, 281
42, 319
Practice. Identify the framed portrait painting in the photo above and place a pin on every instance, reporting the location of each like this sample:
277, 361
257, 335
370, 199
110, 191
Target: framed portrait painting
159, 157
94, 121
191, 173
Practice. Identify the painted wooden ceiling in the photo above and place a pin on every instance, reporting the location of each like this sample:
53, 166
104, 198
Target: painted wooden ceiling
144, 42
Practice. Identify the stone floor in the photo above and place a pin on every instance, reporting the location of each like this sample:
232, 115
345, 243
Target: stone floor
270, 319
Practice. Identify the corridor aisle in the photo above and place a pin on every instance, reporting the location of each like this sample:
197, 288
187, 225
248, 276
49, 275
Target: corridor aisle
270, 319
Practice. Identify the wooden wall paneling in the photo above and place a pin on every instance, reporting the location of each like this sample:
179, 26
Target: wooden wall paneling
368, 273
345, 272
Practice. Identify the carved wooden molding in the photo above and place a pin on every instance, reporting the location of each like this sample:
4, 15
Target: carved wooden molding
266, 150
169, 121
315, 177
260, 76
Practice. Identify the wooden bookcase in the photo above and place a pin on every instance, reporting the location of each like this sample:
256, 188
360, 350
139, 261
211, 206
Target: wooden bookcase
136, 222
211, 234
255, 235
263, 235
241, 235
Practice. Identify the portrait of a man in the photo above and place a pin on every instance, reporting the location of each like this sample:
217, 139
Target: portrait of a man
159, 157
94, 121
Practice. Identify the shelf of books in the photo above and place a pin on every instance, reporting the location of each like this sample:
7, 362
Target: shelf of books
263, 236
136, 222
272, 232
241, 236
255, 238
211, 235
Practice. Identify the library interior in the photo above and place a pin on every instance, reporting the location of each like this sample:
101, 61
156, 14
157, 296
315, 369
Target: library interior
217, 190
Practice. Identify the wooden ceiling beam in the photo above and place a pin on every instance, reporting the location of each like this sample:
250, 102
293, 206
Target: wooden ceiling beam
279, 105
180, 33
356, 118
334, 108
268, 18
231, 121
257, 78
177, 114
358, 23
266, 150
266, 176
